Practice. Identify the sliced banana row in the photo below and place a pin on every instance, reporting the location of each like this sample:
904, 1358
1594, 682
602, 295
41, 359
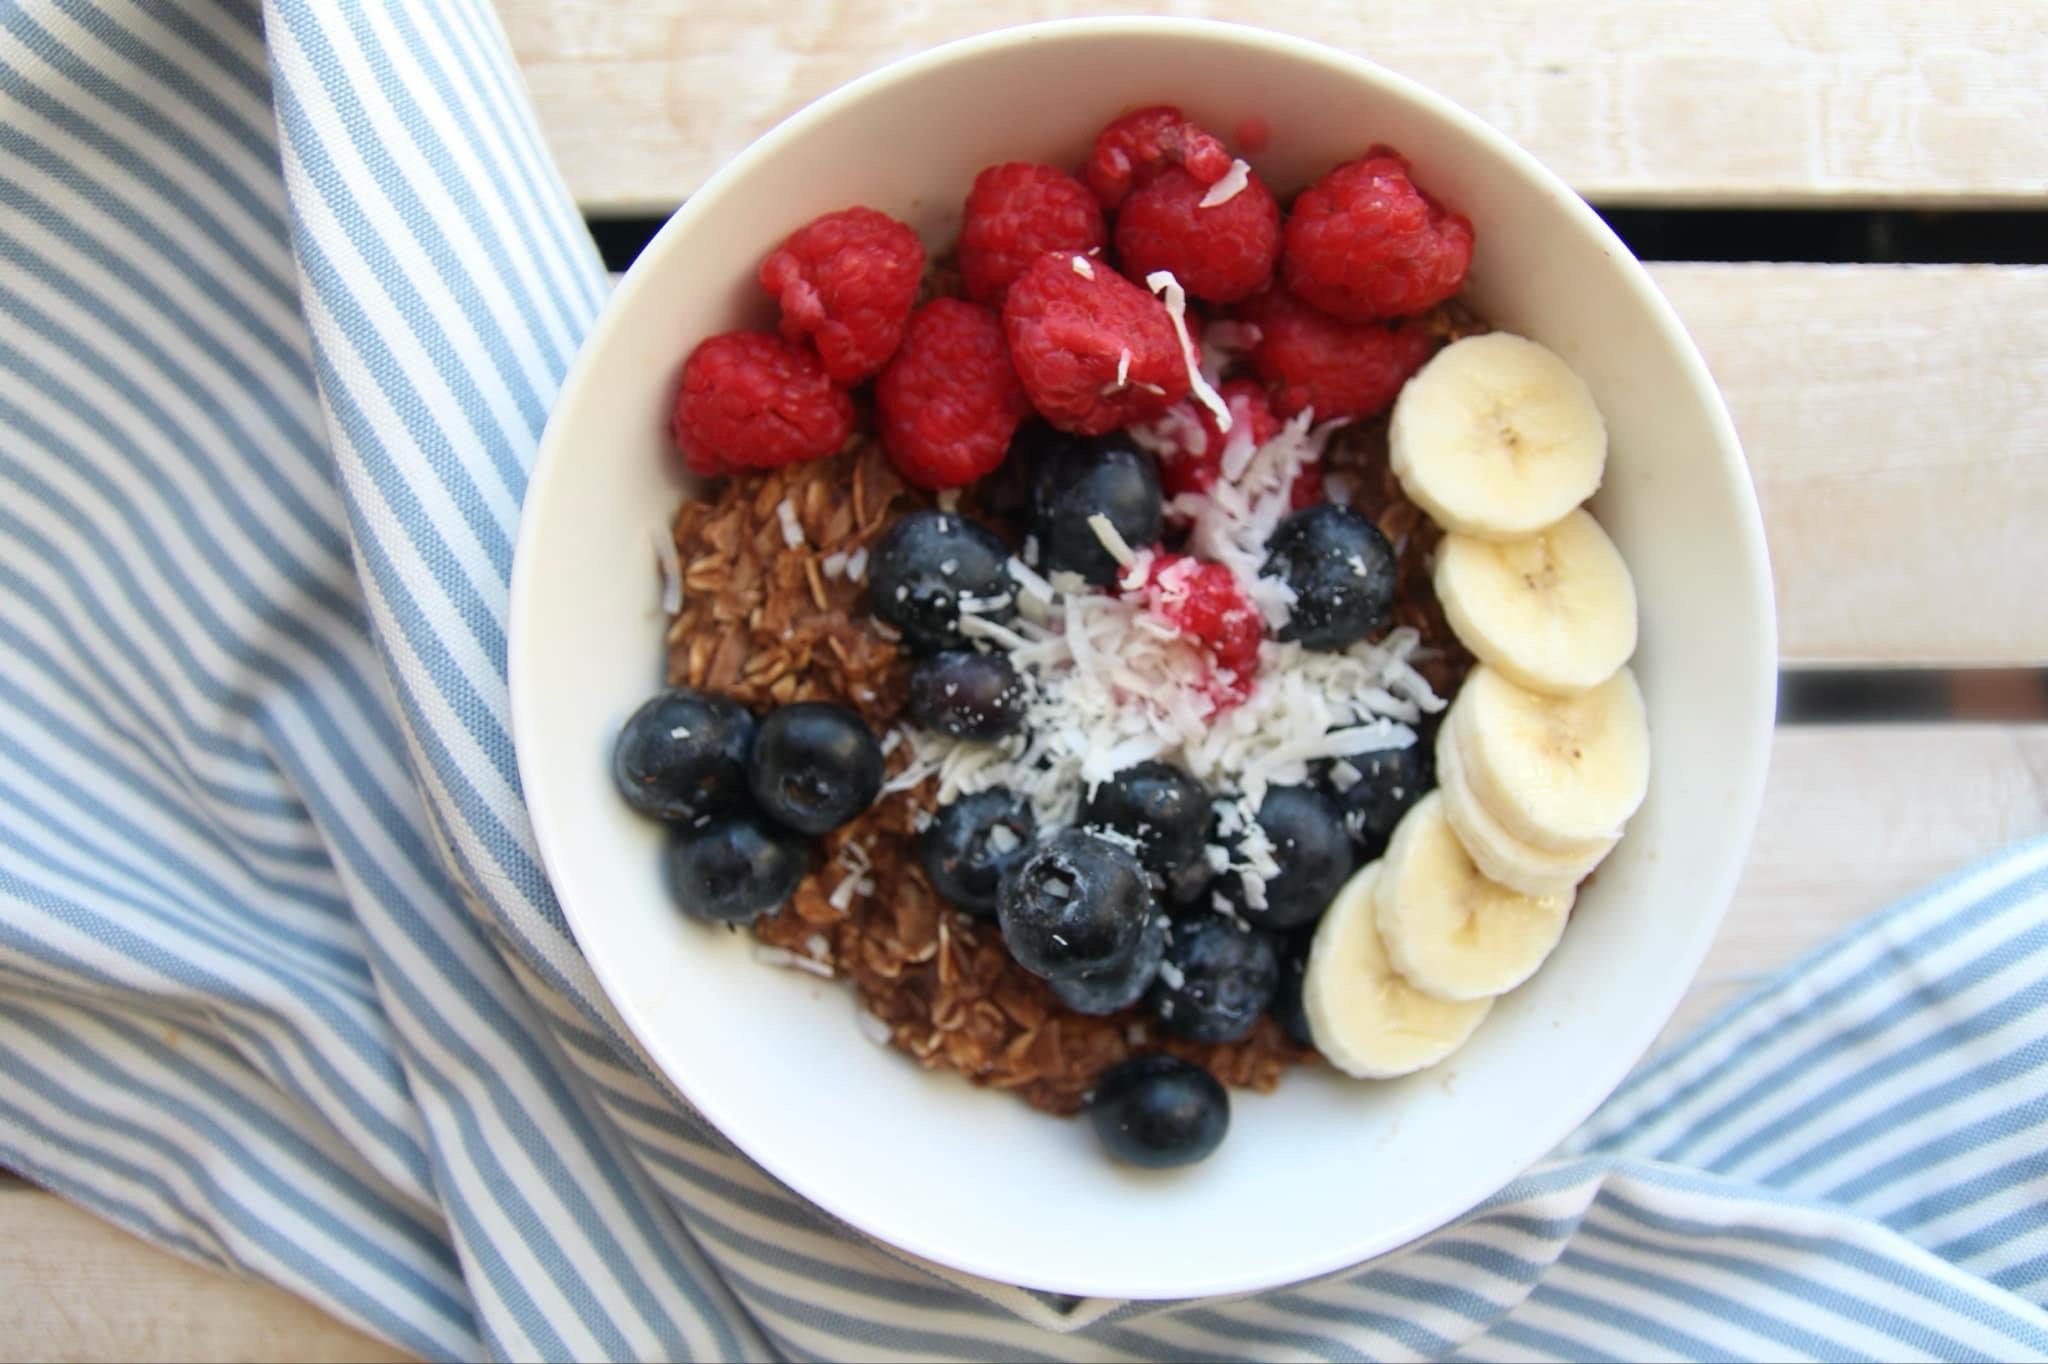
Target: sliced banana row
1545, 754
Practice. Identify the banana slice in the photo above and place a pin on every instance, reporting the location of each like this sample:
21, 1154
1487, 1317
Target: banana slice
1448, 929
1366, 1020
1559, 772
1496, 437
1554, 611
1497, 853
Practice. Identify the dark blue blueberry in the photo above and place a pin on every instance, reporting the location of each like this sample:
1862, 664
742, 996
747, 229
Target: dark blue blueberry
967, 694
971, 842
922, 568
1159, 1111
733, 869
1120, 986
1076, 903
684, 754
1079, 477
815, 766
1314, 852
1287, 1007
1342, 571
1162, 807
1389, 782
1218, 977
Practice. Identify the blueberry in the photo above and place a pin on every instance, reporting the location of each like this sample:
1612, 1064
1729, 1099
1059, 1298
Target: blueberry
971, 842
1341, 569
1313, 850
967, 694
1218, 977
1079, 477
925, 565
1190, 887
815, 766
684, 754
1389, 781
1162, 807
1159, 1111
1120, 986
1287, 1007
732, 869
1076, 903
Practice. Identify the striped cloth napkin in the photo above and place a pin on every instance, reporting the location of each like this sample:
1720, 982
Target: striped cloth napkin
288, 291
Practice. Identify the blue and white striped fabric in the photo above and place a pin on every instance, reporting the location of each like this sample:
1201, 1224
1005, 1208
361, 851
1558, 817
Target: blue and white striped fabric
288, 291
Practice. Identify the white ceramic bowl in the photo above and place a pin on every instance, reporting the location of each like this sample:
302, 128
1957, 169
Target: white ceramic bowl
1325, 1172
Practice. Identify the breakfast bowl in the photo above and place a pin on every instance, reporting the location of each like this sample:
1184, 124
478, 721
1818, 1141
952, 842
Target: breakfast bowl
1325, 1171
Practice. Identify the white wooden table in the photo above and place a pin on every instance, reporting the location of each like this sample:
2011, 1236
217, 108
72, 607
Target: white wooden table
1896, 417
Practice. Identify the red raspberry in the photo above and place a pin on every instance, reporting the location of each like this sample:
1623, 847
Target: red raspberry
1341, 369
1363, 242
847, 280
750, 400
1207, 603
1016, 212
1135, 147
949, 402
1185, 469
1222, 253
1094, 350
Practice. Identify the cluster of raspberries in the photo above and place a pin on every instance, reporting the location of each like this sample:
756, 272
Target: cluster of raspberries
1057, 317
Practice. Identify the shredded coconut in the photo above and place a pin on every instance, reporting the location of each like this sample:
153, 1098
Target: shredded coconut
1163, 283
792, 529
671, 572
857, 565
782, 956
1227, 188
1083, 268
1112, 540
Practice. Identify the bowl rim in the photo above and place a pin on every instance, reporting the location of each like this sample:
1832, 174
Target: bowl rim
1748, 772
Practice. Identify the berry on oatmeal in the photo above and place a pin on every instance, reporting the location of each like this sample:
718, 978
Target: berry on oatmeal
683, 754
928, 568
1140, 144
814, 767
1364, 242
1119, 986
1079, 479
1338, 369
1306, 833
845, 282
750, 400
1192, 444
949, 401
967, 694
1159, 1111
1159, 806
1095, 351
1376, 789
1220, 250
972, 843
1077, 903
1287, 1008
1016, 212
1341, 571
1206, 602
1217, 979
734, 868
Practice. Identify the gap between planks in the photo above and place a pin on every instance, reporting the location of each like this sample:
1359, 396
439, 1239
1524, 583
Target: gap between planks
1747, 102
1854, 817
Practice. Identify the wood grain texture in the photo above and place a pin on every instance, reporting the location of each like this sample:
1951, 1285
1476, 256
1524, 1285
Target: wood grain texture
75, 1287
1744, 101
1853, 818
1896, 419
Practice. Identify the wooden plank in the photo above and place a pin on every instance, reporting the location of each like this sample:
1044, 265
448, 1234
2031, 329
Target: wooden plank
75, 1287
1746, 101
1897, 422
1853, 818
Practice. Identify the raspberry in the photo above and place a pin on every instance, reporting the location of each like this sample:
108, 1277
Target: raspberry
1015, 212
949, 401
1207, 603
1340, 369
1363, 242
1222, 253
1094, 350
847, 280
1185, 468
1135, 147
750, 400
